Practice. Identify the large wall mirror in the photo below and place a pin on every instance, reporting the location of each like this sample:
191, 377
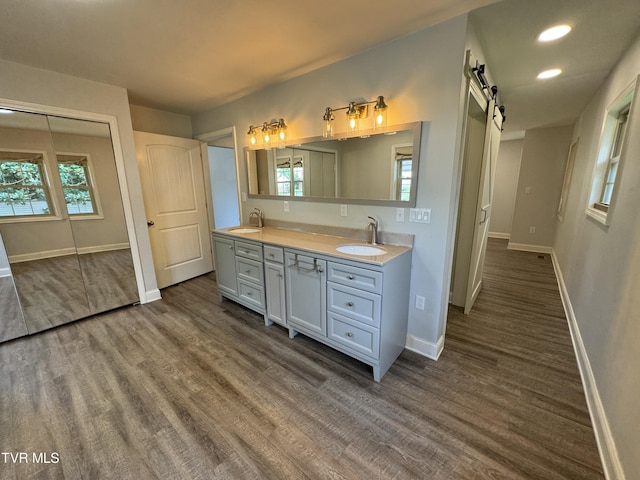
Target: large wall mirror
65, 250
379, 168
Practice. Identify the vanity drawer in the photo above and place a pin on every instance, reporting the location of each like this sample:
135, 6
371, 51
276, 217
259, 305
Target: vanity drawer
250, 270
273, 254
354, 303
356, 277
249, 250
355, 336
251, 294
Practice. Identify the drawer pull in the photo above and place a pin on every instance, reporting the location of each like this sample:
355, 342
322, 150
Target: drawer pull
230, 247
246, 252
272, 255
350, 277
248, 272
349, 334
350, 304
249, 293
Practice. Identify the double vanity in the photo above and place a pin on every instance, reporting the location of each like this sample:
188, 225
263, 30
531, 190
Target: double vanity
349, 295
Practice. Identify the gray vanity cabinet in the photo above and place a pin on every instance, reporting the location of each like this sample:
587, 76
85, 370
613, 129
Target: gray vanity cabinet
225, 257
275, 285
306, 294
240, 271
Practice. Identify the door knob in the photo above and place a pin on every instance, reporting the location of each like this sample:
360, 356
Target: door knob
150, 223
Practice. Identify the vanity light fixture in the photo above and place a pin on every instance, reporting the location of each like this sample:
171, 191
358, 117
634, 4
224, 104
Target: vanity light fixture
356, 112
270, 131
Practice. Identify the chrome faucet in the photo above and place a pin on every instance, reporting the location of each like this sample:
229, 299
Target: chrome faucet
373, 225
256, 212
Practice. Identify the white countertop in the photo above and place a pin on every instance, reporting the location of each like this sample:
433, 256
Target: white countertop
315, 243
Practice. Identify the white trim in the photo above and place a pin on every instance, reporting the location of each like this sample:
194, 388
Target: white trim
102, 248
151, 296
424, 347
504, 235
523, 247
604, 438
27, 257
597, 215
5, 272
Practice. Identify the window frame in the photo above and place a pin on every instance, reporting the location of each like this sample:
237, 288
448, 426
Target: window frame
91, 186
46, 186
596, 209
396, 173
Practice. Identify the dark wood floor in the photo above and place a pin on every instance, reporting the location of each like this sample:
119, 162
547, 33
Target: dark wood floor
190, 388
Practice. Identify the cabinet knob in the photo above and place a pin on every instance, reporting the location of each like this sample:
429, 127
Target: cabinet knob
350, 277
247, 252
350, 304
230, 247
271, 255
248, 272
349, 334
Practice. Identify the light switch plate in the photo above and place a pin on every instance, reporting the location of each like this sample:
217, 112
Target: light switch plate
420, 215
343, 210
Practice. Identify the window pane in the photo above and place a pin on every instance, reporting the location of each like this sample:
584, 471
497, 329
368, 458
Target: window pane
23, 201
78, 200
72, 174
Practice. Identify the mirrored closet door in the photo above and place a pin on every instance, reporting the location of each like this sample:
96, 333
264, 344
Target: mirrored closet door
61, 219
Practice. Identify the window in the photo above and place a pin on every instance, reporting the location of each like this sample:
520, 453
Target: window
402, 170
23, 188
290, 179
76, 184
608, 168
614, 157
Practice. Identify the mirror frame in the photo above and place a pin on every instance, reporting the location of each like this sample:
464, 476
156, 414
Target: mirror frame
417, 136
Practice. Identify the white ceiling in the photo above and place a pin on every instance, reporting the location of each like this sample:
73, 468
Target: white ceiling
189, 56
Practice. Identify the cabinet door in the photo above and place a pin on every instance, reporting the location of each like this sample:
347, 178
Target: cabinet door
274, 276
226, 273
306, 293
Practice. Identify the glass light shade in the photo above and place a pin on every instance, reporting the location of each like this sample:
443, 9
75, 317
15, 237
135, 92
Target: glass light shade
353, 123
381, 113
327, 130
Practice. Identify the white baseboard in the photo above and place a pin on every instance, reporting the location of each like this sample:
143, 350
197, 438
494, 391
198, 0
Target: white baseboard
500, 235
5, 272
424, 347
103, 248
151, 296
27, 257
604, 438
523, 247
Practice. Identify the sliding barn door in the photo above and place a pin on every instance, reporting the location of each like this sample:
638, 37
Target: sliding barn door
483, 206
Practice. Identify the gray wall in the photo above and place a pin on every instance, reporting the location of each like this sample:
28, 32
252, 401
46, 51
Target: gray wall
601, 271
544, 156
421, 80
504, 193
152, 120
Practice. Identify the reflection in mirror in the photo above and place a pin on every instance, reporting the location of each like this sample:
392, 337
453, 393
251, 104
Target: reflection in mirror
36, 231
376, 169
62, 220
87, 170
11, 319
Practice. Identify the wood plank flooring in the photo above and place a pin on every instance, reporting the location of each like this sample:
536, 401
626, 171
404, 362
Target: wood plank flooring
191, 388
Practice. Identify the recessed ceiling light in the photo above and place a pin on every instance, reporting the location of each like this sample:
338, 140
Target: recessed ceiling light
5, 110
554, 72
554, 33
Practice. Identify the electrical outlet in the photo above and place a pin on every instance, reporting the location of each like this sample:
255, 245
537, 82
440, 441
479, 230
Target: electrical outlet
400, 215
343, 210
419, 302
532, 229
286, 206
244, 196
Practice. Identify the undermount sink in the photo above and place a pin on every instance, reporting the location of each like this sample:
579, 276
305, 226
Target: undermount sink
360, 249
244, 230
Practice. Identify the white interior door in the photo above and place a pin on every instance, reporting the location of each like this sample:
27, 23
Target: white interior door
483, 206
172, 176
